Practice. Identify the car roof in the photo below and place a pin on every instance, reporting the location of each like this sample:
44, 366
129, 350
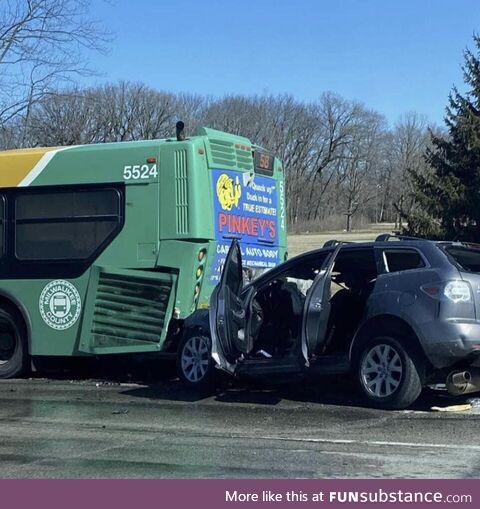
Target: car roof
382, 241
394, 241
330, 245
428, 246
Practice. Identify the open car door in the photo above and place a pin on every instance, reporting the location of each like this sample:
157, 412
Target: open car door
228, 320
316, 309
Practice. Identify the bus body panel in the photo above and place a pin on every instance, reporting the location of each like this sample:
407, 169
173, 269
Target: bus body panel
126, 310
47, 339
171, 246
136, 246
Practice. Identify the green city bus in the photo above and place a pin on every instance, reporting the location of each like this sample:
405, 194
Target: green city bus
108, 248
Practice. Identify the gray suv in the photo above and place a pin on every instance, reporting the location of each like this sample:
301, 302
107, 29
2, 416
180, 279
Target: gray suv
399, 313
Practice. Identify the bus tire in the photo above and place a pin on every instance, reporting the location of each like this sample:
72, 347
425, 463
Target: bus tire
13, 343
195, 366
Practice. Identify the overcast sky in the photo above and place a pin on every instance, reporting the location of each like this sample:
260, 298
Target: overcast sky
395, 56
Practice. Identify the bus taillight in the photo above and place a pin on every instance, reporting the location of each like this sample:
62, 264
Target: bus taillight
199, 275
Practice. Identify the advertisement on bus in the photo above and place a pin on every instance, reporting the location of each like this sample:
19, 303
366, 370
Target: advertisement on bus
245, 208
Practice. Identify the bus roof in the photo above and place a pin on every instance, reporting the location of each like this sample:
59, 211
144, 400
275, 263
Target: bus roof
20, 167
202, 132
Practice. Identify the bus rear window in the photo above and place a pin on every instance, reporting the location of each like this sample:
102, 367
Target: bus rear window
468, 258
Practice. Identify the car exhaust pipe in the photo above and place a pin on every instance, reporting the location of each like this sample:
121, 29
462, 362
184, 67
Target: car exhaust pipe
463, 382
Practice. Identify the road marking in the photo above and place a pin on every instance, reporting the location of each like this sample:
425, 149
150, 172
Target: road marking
24, 425
376, 443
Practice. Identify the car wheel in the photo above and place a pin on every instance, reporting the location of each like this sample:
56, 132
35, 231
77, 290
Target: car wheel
388, 374
195, 365
13, 344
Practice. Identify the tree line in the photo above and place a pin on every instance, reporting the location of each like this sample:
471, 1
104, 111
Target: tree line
343, 165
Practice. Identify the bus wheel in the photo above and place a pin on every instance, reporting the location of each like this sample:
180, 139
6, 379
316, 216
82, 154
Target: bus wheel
13, 348
195, 365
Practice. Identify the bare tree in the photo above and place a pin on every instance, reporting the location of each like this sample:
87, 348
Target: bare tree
132, 111
121, 112
335, 121
409, 142
63, 118
42, 45
356, 172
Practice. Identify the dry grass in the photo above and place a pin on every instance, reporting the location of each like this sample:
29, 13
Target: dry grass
300, 243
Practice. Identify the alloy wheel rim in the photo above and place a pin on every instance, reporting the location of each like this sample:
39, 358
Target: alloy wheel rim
195, 358
381, 371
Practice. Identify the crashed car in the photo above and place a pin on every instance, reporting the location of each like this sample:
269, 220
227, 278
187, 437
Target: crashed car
399, 314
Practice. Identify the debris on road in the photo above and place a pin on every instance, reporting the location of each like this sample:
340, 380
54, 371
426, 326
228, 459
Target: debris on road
453, 408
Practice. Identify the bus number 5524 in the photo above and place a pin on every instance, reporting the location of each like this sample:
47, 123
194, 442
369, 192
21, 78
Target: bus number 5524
139, 172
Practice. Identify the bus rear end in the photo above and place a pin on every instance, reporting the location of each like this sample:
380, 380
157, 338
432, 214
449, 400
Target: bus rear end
248, 205
244, 184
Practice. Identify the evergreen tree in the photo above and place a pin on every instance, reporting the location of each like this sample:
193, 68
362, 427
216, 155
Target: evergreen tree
448, 195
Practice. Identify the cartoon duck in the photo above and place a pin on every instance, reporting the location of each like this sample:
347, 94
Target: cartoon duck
228, 193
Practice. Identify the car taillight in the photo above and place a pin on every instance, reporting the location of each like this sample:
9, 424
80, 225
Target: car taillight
453, 291
458, 291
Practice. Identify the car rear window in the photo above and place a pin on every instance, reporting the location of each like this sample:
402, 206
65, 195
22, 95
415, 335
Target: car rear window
402, 259
468, 258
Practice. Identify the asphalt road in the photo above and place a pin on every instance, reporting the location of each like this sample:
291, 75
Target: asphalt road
97, 429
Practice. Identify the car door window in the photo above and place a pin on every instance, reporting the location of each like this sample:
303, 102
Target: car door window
304, 273
233, 277
396, 260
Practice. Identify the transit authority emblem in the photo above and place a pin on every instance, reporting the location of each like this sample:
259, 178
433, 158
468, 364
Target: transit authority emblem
60, 304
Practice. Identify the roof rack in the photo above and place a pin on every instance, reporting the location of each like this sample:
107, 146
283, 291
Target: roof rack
385, 237
330, 243
335, 242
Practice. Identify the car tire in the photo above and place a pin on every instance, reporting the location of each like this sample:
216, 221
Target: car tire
388, 373
13, 343
195, 365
